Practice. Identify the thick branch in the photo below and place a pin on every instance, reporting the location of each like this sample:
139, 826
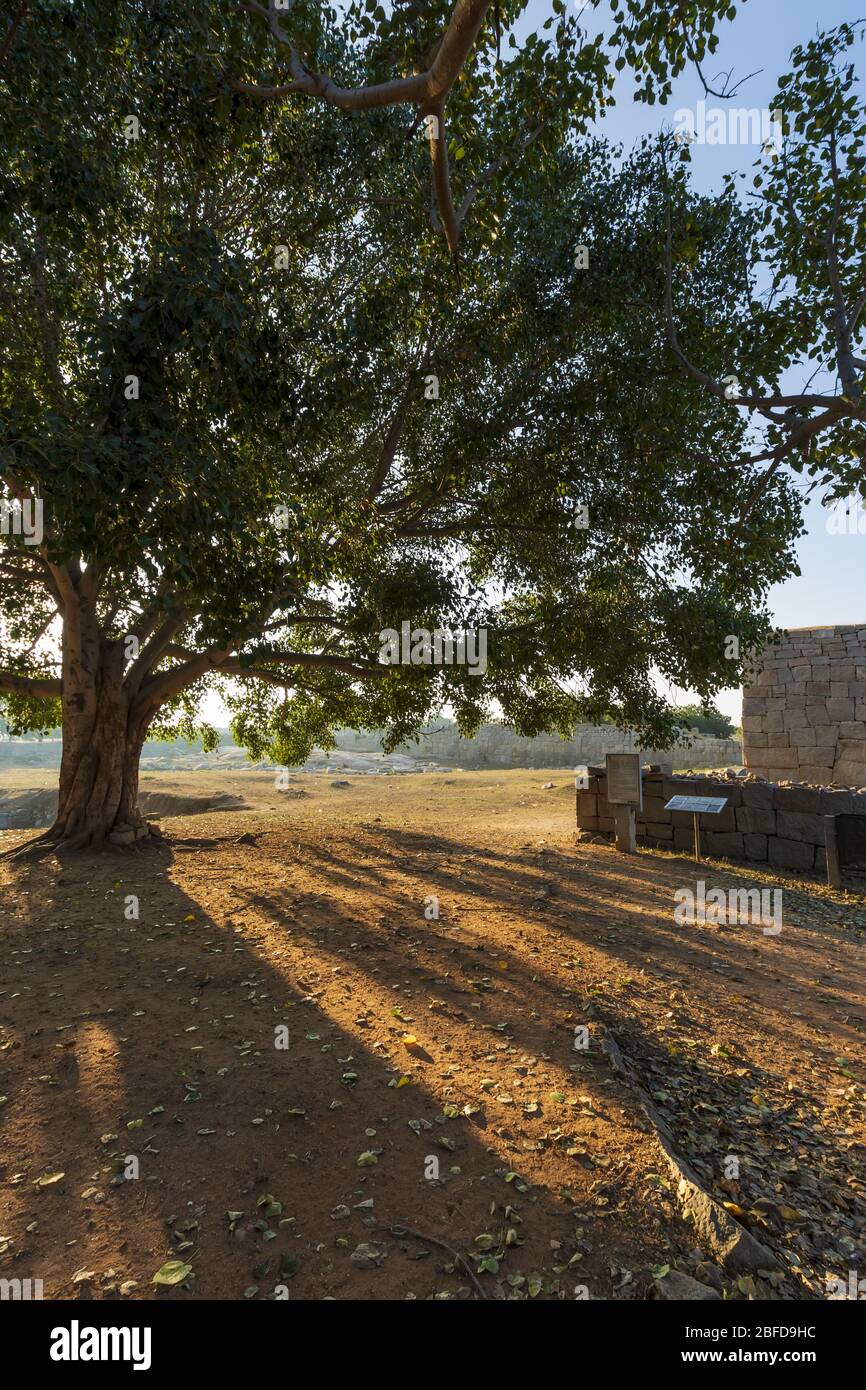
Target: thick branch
17, 19
457, 42
427, 89
761, 403
44, 689
395, 430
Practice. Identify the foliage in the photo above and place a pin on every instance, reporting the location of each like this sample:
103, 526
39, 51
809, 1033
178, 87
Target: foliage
222, 339
706, 719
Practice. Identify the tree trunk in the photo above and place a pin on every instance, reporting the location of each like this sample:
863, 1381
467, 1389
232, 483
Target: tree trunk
103, 734
98, 793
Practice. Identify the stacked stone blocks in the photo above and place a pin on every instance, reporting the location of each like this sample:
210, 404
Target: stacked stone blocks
804, 719
762, 822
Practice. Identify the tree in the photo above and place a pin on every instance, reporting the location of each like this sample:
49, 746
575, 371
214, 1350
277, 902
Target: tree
429, 54
705, 720
810, 231
268, 424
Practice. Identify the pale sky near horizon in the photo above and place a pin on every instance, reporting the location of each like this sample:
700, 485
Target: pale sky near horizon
830, 589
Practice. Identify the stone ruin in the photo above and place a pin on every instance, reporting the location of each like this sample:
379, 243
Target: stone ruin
763, 823
804, 718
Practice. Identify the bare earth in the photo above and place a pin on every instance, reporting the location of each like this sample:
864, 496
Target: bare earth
261, 1165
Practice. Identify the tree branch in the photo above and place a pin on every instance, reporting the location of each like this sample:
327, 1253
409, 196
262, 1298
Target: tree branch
427, 89
17, 19
44, 689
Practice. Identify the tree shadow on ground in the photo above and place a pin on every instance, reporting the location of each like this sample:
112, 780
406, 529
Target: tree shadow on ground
154, 1038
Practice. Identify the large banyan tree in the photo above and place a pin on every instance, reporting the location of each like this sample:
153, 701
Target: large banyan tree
296, 355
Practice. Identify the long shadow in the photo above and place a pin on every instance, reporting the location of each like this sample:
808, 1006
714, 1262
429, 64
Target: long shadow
499, 879
152, 1038
738, 1110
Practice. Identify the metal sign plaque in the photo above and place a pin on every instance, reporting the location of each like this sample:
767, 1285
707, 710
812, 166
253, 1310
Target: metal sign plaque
709, 805
624, 780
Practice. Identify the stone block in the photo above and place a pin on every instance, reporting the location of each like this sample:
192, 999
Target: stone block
797, 799
839, 709
756, 821
792, 719
817, 714
836, 803
729, 845
678, 786
818, 775
800, 825
753, 704
826, 736
783, 758
660, 830
850, 774
757, 794
790, 854
755, 847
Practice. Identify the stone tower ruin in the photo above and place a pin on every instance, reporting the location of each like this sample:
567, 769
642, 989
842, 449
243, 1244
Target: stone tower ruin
804, 719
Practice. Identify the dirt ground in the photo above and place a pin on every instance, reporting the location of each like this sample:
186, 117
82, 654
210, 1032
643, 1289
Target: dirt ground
228, 1079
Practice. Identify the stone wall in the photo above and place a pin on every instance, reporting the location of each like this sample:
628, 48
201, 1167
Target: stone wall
763, 823
496, 746
804, 719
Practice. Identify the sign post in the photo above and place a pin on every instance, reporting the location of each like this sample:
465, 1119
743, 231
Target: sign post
698, 805
845, 840
625, 795
831, 842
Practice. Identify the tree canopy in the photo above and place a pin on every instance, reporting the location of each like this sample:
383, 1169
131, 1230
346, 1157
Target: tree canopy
275, 408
